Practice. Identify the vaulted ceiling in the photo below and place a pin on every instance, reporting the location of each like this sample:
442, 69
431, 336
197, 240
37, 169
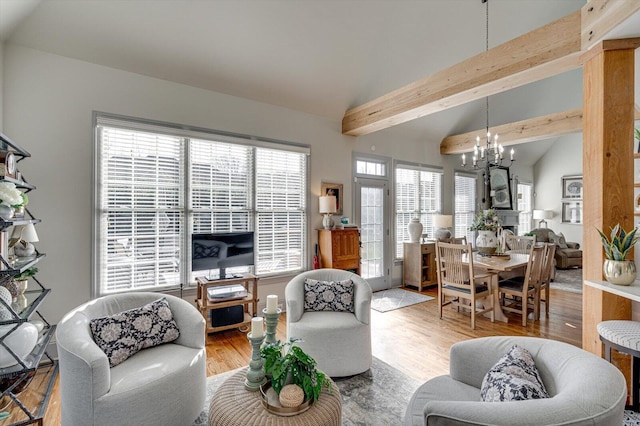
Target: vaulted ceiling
318, 56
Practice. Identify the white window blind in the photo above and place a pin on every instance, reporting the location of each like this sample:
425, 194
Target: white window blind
418, 194
141, 210
525, 191
464, 205
154, 189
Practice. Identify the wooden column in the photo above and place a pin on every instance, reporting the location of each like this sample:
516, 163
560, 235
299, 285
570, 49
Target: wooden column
608, 107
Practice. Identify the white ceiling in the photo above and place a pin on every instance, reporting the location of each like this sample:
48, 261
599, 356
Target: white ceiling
318, 56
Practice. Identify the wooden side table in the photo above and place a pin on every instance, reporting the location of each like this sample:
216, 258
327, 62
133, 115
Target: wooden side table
233, 405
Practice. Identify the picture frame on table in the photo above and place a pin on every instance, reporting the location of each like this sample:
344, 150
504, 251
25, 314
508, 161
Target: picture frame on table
336, 190
500, 188
572, 187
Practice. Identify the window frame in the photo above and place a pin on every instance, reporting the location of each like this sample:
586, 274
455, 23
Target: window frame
468, 175
101, 119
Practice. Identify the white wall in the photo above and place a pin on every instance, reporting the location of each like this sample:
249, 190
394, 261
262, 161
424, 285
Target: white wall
564, 158
1, 85
48, 104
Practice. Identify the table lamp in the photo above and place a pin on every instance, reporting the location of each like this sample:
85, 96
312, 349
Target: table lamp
327, 208
542, 215
442, 222
22, 238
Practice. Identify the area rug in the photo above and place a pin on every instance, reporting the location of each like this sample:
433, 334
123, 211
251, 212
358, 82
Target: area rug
378, 396
568, 280
396, 298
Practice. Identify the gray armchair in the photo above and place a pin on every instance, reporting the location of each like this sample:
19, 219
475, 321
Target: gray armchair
162, 385
340, 342
568, 254
583, 388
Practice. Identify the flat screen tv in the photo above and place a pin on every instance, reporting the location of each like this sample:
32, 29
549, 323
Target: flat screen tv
218, 251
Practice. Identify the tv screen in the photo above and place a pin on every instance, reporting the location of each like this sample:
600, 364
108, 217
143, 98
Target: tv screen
218, 251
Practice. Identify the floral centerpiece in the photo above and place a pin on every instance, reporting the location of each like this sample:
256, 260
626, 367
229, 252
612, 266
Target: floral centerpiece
12, 196
486, 220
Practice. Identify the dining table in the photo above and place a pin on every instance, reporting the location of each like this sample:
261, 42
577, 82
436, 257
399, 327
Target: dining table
494, 265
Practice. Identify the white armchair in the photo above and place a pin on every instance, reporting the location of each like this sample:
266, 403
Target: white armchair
340, 342
162, 385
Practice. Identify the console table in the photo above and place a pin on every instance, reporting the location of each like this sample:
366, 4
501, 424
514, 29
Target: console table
233, 405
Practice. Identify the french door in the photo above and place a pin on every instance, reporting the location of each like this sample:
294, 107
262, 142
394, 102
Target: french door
372, 216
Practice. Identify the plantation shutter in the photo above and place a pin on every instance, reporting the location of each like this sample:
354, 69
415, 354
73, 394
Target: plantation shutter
140, 208
418, 194
464, 205
524, 207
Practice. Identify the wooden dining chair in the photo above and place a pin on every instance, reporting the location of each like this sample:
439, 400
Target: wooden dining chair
545, 279
519, 243
457, 281
516, 292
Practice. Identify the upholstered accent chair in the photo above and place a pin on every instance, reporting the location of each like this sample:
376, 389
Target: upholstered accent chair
340, 342
584, 389
568, 254
161, 385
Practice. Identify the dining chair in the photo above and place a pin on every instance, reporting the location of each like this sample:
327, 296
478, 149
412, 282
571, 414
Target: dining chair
545, 279
454, 240
457, 281
519, 243
521, 289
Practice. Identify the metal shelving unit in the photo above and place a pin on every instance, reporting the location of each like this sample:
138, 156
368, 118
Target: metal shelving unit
24, 405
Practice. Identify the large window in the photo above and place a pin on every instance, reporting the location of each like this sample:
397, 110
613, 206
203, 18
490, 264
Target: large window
156, 185
418, 194
525, 191
464, 204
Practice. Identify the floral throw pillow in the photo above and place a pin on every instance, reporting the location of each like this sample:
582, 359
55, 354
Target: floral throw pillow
334, 296
122, 335
513, 378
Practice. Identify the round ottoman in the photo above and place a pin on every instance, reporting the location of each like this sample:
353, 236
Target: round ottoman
233, 405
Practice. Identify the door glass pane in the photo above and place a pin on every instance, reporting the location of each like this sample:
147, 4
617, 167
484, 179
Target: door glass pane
371, 230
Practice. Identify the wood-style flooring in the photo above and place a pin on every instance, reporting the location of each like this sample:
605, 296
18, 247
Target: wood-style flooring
413, 339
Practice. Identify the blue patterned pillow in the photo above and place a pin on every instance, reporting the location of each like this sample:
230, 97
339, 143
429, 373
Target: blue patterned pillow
122, 335
334, 296
513, 378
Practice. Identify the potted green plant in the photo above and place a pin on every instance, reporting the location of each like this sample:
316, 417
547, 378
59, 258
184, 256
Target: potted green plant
22, 279
286, 363
486, 223
617, 269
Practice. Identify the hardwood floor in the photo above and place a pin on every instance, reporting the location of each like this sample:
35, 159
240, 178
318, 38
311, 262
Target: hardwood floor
413, 339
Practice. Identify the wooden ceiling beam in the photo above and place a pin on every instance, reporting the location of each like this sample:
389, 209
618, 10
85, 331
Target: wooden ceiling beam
599, 17
545, 127
541, 53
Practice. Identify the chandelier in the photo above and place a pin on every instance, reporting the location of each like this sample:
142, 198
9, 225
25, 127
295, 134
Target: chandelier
490, 154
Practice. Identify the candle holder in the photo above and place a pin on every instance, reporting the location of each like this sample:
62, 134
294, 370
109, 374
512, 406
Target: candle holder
272, 324
255, 374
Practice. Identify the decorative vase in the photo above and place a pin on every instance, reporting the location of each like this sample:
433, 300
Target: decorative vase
486, 242
22, 285
6, 212
21, 342
22, 251
19, 212
415, 230
619, 272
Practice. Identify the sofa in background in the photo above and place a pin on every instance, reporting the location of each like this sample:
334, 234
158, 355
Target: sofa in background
583, 388
568, 254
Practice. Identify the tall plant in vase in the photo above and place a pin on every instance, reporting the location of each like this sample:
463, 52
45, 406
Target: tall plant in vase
486, 223
616, 268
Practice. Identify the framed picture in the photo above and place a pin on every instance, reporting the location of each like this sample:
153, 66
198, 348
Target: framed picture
572, 187
572, 212
333, 189
500, 188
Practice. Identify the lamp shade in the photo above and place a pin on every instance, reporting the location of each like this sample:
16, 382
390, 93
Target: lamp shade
542, 214
328, 204
29, 233
443, 221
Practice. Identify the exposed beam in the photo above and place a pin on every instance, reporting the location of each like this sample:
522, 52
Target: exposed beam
545, 127
541, 53
599, 17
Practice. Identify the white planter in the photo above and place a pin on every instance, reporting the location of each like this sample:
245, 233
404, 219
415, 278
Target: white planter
619, 272
486, 242
415, 230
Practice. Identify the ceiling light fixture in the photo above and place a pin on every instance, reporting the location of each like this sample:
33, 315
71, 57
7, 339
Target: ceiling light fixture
490, 155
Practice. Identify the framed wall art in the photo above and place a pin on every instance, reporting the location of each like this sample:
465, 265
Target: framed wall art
572, 187
500, 188
572, 212
334, 189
